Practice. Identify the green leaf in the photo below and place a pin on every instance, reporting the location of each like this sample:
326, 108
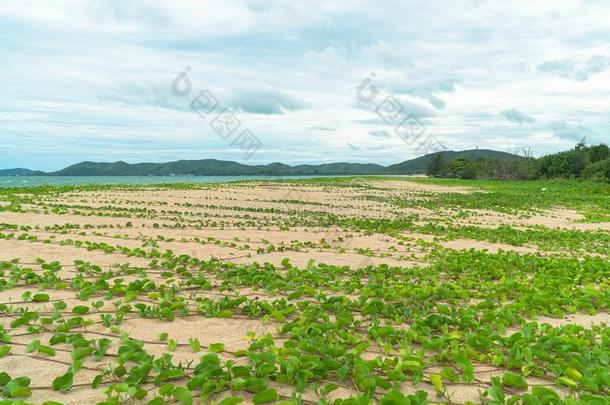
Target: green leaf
130, 296
574, 374
60, 305
120, 371
529, 399
40, 297
514, 380
4, 378
328, 388
254, 385
216, 348
278, 316
22, 381
231, 401
18, 391
411, 365
33, 345
394, 397
437, 383
227, 313
120, 388
568, 382
46, 350
82, 352
140, 393
63, 383
80, 309
266, 396
97, 381
167, 389
195, 345
183, 395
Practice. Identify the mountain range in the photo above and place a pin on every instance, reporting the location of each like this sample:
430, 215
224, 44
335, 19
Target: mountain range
213, 167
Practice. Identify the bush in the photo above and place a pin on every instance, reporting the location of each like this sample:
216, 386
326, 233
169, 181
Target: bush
563, 164
598, 171
599, 152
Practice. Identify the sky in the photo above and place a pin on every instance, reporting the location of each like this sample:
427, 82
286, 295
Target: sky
298, 82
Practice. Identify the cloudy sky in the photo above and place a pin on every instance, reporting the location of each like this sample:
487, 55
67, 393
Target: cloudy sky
96, 80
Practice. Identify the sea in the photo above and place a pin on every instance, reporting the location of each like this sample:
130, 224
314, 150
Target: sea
34, 181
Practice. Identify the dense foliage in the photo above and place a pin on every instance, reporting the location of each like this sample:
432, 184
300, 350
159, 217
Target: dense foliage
589, 162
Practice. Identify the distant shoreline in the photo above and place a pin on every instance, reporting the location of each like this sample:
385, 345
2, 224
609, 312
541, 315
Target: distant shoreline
37, 181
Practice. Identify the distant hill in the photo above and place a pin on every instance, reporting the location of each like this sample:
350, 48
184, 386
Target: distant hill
213, 167
420, 164
16, 172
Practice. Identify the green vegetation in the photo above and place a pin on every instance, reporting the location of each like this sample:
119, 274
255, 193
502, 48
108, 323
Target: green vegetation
422, 163
436, 326
587, 162
581, 161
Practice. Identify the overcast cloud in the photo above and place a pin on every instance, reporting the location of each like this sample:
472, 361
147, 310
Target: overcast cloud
91, 80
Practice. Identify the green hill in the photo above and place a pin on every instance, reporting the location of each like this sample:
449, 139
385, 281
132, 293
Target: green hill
420, 164
16, 172
214, 167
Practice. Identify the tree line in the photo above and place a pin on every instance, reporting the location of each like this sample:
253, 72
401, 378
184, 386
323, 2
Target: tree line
582, 161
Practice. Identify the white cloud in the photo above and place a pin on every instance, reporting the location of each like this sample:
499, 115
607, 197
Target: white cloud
517, 116
91, 79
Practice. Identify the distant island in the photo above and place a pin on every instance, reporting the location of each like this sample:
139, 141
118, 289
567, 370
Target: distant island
214, 167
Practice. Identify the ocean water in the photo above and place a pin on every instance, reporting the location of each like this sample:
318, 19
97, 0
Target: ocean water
33, 181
